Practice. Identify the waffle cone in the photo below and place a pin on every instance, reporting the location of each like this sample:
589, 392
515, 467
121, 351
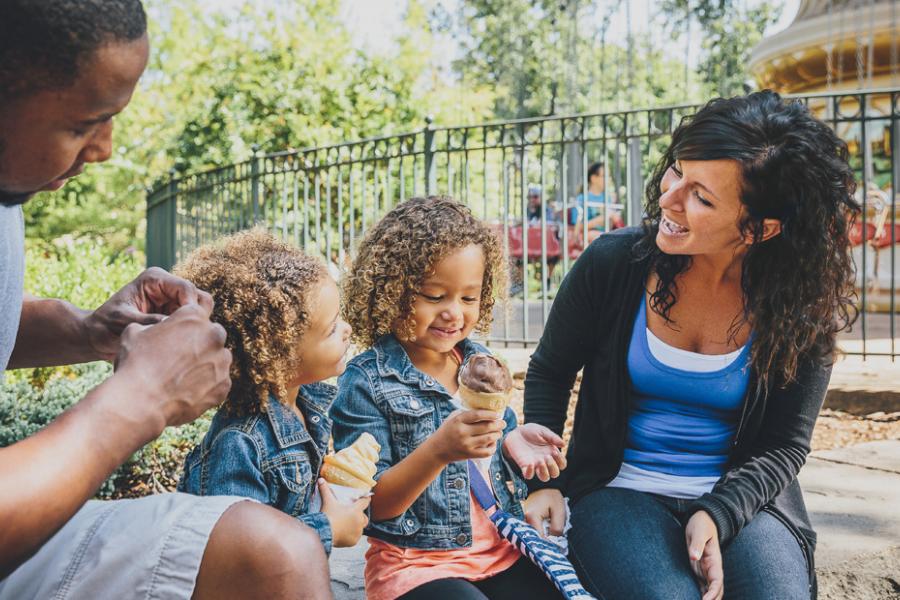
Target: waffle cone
495, 401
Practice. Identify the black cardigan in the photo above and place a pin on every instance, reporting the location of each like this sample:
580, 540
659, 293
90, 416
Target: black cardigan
589, 327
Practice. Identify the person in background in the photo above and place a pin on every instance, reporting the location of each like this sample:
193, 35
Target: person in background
591, 206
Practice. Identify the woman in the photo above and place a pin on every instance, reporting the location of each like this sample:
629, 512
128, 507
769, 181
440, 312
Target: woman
706, 339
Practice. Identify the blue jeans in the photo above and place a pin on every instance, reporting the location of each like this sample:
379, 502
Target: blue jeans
628, 544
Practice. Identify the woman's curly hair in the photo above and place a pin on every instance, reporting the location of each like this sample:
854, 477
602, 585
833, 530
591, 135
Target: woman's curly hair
261, 288
798, 287
400, 252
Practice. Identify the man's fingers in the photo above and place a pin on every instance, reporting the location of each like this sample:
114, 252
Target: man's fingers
168, 293
541, 472
129, 314
205, 300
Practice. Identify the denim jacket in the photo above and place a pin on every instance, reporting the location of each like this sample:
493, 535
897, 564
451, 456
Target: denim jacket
269, 457
383, 393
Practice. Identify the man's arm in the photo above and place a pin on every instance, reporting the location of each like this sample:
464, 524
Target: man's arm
54, 332
166, 374
51, 332
46, 478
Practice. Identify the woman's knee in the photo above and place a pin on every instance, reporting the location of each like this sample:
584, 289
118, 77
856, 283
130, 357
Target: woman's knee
766, 551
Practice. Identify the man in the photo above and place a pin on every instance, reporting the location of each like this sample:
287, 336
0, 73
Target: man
67, 67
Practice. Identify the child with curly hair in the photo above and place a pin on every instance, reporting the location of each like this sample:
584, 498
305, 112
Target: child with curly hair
280, 310
424, 278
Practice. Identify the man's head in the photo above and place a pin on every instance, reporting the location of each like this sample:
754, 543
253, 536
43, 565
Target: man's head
66, 68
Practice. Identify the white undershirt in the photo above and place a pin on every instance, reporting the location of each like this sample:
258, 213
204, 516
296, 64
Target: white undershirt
687, 360
674, 486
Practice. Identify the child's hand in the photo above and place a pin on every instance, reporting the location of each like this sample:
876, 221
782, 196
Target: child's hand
536, 450
467, 434
347, 520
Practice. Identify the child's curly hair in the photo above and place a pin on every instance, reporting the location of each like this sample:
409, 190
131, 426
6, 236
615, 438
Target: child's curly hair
400, 252
261, 289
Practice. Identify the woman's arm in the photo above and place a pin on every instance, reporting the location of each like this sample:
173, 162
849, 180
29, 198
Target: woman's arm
776, 456
568, 339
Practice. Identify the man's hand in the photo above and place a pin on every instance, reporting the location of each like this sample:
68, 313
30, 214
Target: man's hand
706, 558
536, 450
145, 301
546, 504
178, 368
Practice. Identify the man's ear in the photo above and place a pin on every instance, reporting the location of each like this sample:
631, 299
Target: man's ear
771, 228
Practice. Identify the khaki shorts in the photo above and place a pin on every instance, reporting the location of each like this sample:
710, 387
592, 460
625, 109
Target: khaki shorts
145, 548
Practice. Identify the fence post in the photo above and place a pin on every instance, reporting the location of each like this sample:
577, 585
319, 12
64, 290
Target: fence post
254, 182
634, 208
430, 166
161, 224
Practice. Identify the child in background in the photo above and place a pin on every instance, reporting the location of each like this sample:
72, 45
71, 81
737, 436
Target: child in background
280, 310
424, 278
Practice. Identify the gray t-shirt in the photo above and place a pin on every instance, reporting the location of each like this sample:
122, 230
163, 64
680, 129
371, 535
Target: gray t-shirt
12, 278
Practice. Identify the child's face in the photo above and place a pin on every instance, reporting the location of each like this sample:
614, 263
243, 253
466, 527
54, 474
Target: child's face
449, 302
323, 348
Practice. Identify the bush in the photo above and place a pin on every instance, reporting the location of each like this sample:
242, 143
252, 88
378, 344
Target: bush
86, 273
83, 272
25, 409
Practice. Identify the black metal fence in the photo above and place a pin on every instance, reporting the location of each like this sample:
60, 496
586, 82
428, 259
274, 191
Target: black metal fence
529, 179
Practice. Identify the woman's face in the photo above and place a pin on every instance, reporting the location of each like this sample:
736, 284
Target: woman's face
701, 208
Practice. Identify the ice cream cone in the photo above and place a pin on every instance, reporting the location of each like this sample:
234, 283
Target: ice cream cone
485, 383
354, 466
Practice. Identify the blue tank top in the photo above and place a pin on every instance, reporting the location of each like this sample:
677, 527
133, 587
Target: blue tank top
681, 422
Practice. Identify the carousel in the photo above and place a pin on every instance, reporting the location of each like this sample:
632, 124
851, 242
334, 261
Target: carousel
842, 47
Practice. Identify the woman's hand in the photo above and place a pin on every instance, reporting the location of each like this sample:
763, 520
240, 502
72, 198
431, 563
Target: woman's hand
546, 504
536, 450
347, 520
467, 434
706, 559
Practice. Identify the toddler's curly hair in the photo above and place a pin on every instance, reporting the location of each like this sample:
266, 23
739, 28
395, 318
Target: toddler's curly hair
400, 252
261, 287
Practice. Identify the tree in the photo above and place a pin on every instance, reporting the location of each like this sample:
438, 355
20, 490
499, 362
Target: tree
278, 74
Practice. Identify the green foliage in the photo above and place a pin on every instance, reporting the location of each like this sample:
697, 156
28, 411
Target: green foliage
276, 74
549, 57
728, 43
81, 271
26, 409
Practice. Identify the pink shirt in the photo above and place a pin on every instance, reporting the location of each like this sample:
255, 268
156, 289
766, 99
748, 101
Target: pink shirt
392, 571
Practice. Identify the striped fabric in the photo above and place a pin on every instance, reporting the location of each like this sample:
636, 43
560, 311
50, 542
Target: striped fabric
525, 539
